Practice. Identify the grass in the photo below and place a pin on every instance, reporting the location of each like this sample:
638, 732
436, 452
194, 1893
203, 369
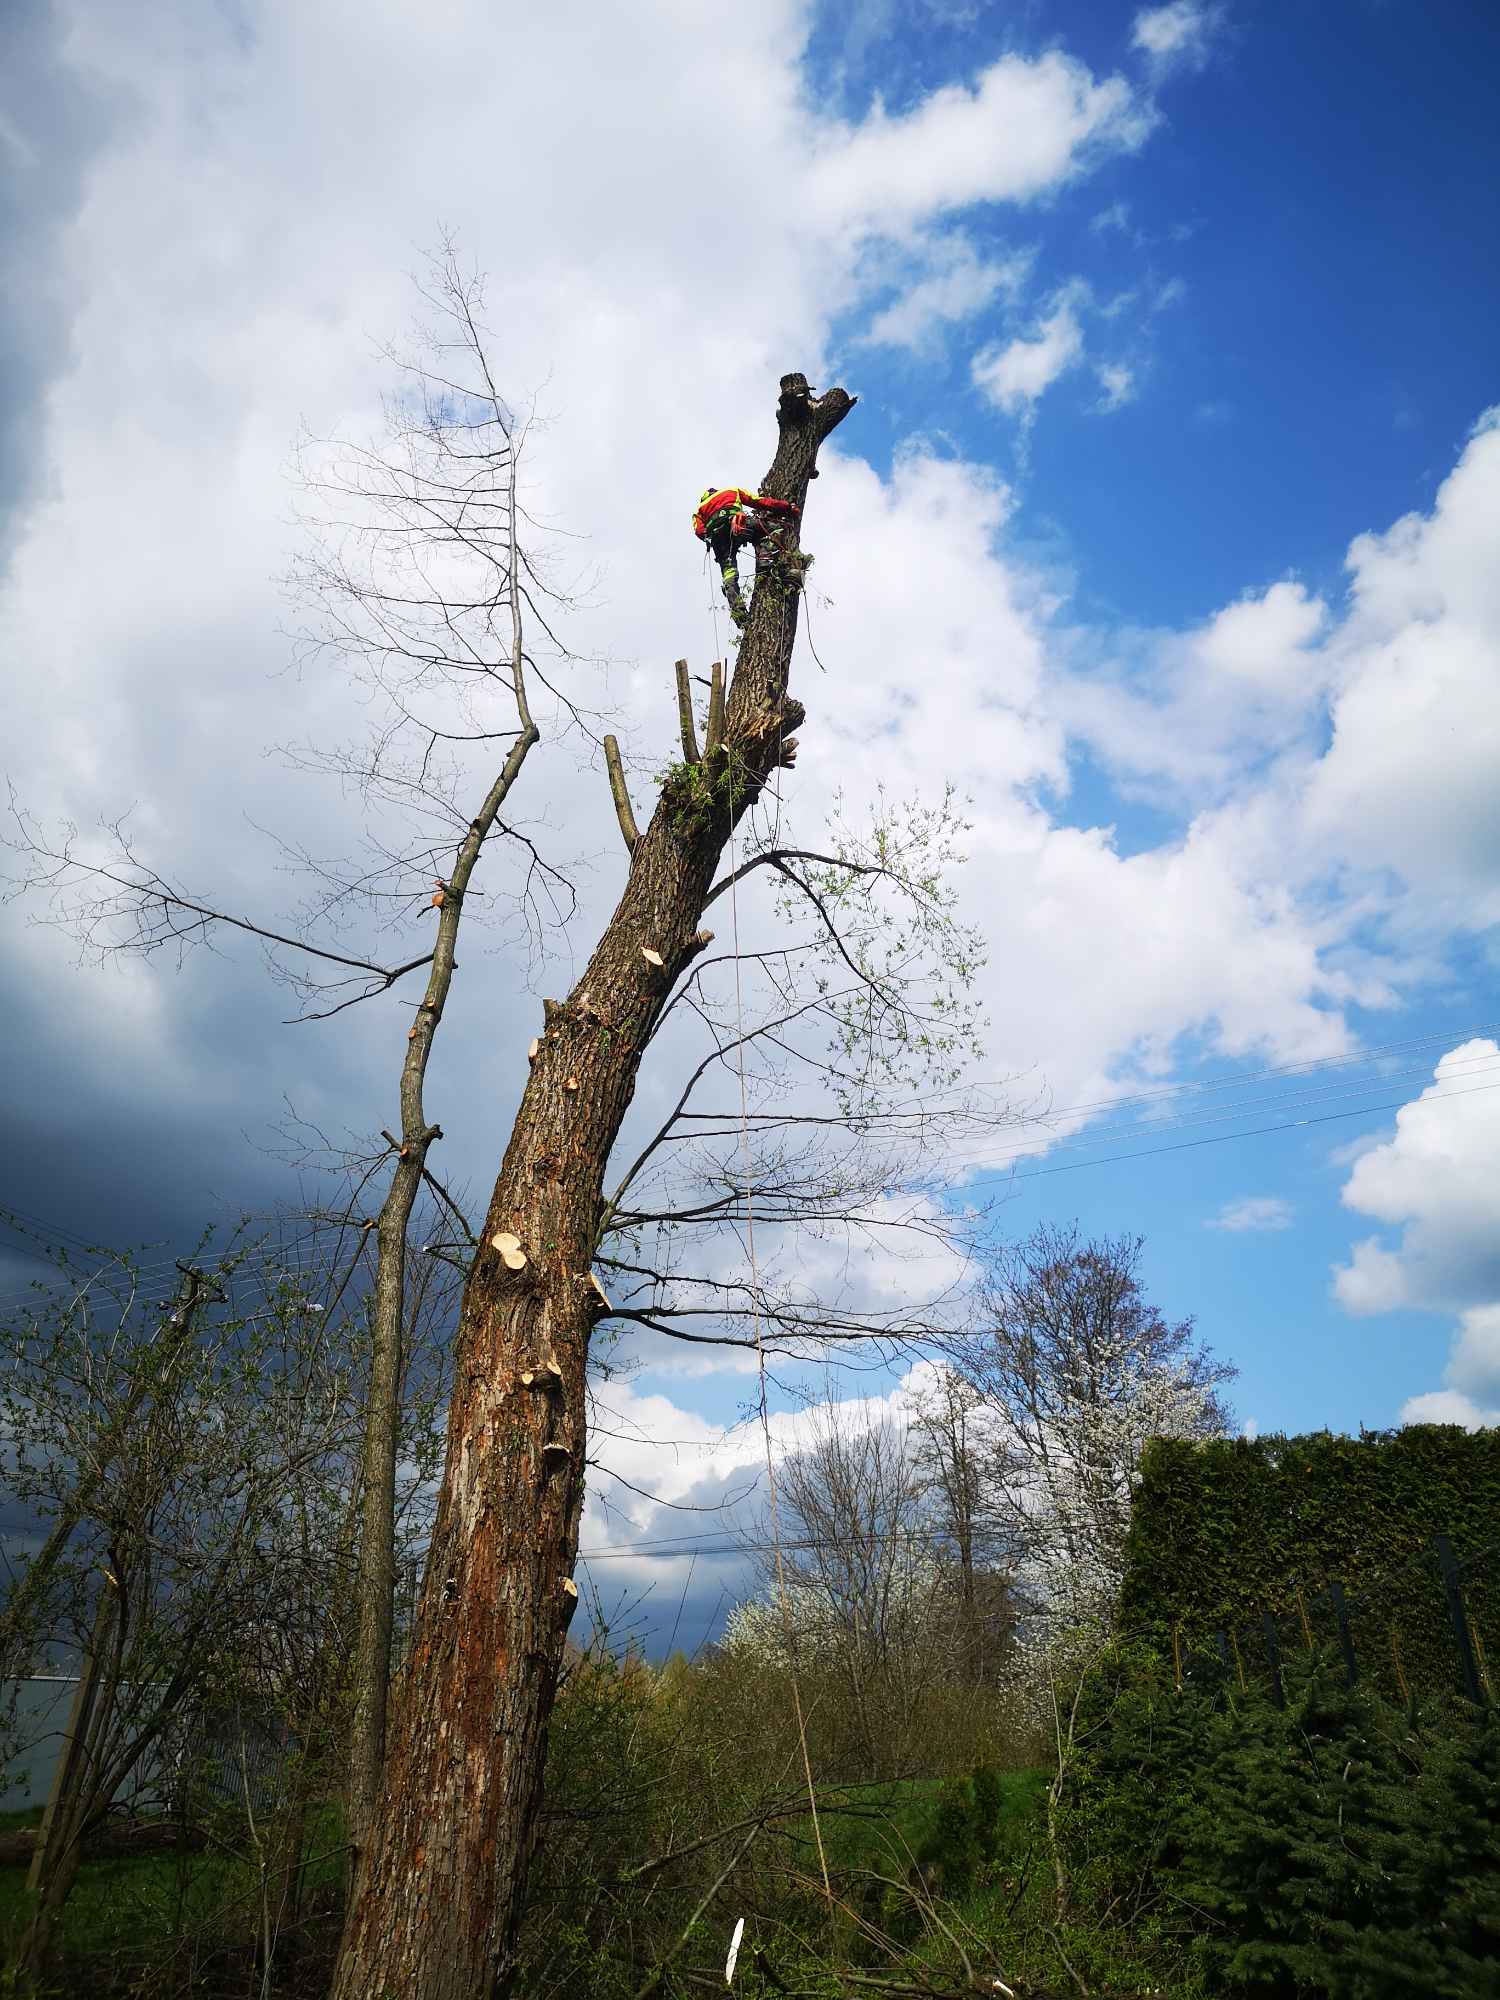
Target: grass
893, 1822
1003, 1906
131, 1911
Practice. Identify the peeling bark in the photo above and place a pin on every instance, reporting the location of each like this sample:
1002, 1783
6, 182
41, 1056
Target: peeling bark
440, 1889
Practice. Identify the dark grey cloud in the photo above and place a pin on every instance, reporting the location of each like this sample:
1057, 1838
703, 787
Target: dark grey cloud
105, 1146
54, 123
666, 1595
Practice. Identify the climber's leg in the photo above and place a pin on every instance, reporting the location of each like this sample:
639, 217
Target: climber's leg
725, 554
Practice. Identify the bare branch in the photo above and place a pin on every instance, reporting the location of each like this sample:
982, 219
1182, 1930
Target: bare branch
161, 913
775, 857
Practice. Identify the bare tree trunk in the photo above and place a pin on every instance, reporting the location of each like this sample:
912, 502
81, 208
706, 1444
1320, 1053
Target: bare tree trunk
59, 1840
440, 1888
377, 1550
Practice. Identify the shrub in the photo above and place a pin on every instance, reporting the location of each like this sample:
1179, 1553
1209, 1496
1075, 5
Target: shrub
1339, 1846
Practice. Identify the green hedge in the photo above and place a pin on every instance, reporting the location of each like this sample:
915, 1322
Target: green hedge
1224, 1530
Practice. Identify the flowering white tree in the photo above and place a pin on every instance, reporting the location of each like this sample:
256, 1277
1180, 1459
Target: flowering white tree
1073, 1371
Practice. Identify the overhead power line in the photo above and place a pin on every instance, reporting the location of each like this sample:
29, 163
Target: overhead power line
1307, 1066
1221, 1138
304, 1253
1283, 1101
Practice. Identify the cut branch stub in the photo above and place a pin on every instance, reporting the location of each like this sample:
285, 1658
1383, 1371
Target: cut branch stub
603, 1295
511, 1254
698, 943
652, 957
630, 833
531, 1053
714, 731
804, 421
685, 714
569, 1597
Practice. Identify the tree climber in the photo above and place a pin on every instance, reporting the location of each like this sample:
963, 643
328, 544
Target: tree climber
729, 519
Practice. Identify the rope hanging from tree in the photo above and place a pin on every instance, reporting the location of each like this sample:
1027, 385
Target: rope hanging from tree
760, 1352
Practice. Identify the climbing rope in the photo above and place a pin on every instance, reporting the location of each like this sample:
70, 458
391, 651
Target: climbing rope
760, 1361
788, 1639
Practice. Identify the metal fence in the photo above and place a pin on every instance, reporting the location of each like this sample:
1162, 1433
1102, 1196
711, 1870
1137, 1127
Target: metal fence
216, 1756
236, 1757
1427, 1627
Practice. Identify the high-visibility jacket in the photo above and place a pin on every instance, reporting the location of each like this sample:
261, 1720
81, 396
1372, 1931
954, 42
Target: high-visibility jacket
733, 500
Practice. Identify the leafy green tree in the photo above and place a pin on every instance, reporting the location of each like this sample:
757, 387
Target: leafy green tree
1273, 1847
1337, 1847
1435, 1840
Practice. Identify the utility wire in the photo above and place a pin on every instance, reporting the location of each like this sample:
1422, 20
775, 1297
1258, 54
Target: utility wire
311, 1258
1220, 1138
1306, 1066
299, 1257
1284, 1101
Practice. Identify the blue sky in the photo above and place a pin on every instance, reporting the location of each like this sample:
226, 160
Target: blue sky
1165, 527
1319, 189
1318, 196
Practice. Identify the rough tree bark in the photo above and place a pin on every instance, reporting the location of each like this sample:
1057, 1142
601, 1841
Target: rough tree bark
440, 1887
377, 1558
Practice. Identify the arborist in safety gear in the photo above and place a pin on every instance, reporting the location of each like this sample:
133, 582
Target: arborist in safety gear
729, 519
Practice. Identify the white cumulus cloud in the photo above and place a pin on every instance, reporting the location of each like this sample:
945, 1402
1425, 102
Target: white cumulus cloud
1015, 375
1434, 1181
1447, 1406
1025, 126
1198, 708
1408, 783
956, 285
1178, 32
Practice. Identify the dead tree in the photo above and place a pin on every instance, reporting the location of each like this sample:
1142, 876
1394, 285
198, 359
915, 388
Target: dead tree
879, 974
474, 509
439, 1893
